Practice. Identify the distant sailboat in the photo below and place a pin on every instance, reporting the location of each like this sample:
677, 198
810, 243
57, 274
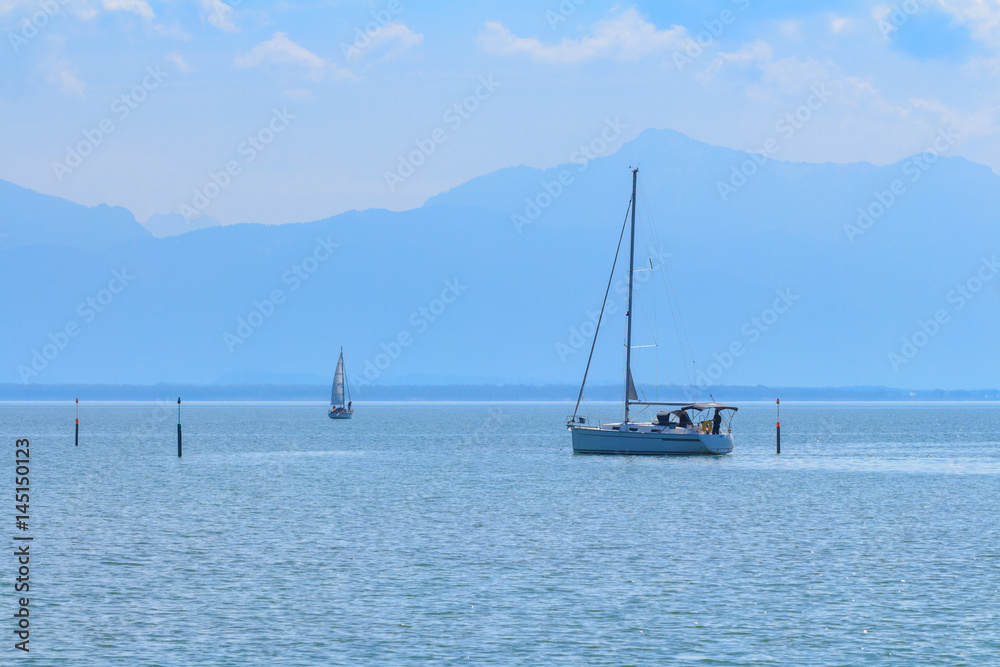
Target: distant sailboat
674, 431
340, 399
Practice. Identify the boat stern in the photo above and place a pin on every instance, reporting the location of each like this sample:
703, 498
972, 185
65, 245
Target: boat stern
721, 443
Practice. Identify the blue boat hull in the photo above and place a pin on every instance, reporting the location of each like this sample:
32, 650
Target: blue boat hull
590, 440
340, 414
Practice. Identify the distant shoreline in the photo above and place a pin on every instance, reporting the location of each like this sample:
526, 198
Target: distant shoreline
477, 393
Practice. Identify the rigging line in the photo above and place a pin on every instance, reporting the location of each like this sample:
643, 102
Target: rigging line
672, 300
642, 307
683, 326
656, 357
636, 295
678, 318
649, 240
656, 321
645, 317
673, 293
652, 280
675, 316
601, 316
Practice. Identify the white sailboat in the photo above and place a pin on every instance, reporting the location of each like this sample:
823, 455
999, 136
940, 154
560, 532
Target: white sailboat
683, 429
340, 399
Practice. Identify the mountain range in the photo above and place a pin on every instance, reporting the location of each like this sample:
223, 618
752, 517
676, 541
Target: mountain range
749, 272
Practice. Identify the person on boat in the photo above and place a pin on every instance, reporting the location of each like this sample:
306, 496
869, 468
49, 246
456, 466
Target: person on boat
716, 423
349, 404
683, 420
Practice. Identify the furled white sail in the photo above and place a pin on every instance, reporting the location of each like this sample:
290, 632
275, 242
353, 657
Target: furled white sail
338, 383
632, 396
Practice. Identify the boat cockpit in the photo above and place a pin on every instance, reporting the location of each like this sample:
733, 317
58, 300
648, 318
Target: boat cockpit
709, 418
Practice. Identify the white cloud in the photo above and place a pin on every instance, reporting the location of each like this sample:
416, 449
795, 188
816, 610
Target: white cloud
788, 81
791, 29
397, 37
792, 75
10, 5
881, 12
838, 24
78, 8
756, 53
281, 50
980, 123
627, 36
867, 123
178, 60
173, 31
140, 7
981, 16
60, 74
218, 14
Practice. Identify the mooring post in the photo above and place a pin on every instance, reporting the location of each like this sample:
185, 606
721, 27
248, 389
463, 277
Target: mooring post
77, 439
178, 427
779, 425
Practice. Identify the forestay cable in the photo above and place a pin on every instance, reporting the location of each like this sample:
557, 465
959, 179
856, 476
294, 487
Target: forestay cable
601, 316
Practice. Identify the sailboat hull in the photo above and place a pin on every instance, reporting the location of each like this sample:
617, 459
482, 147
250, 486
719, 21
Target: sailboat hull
341, 414
592, 440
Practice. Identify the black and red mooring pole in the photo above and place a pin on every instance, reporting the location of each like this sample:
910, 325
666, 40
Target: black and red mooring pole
179, 452
778, 402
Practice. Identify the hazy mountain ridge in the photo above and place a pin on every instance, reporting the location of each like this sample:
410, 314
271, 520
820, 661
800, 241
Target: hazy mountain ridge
31, 218
163, 225
527, 283
565, 393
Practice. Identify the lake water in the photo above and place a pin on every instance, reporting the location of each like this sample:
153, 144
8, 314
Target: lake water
433, 533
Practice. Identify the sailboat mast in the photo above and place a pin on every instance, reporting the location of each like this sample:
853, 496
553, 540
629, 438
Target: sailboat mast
628, 313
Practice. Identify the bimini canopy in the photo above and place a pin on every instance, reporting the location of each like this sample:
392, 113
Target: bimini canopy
698, 407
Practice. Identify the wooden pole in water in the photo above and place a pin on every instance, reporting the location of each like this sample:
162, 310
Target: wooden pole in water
779, 424
179, 427
77, 440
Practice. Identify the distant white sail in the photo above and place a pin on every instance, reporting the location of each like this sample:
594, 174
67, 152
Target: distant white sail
338, 383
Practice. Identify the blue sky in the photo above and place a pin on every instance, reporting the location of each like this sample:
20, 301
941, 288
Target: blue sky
256, 107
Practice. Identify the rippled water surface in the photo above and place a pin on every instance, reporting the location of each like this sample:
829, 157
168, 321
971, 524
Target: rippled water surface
429, 533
